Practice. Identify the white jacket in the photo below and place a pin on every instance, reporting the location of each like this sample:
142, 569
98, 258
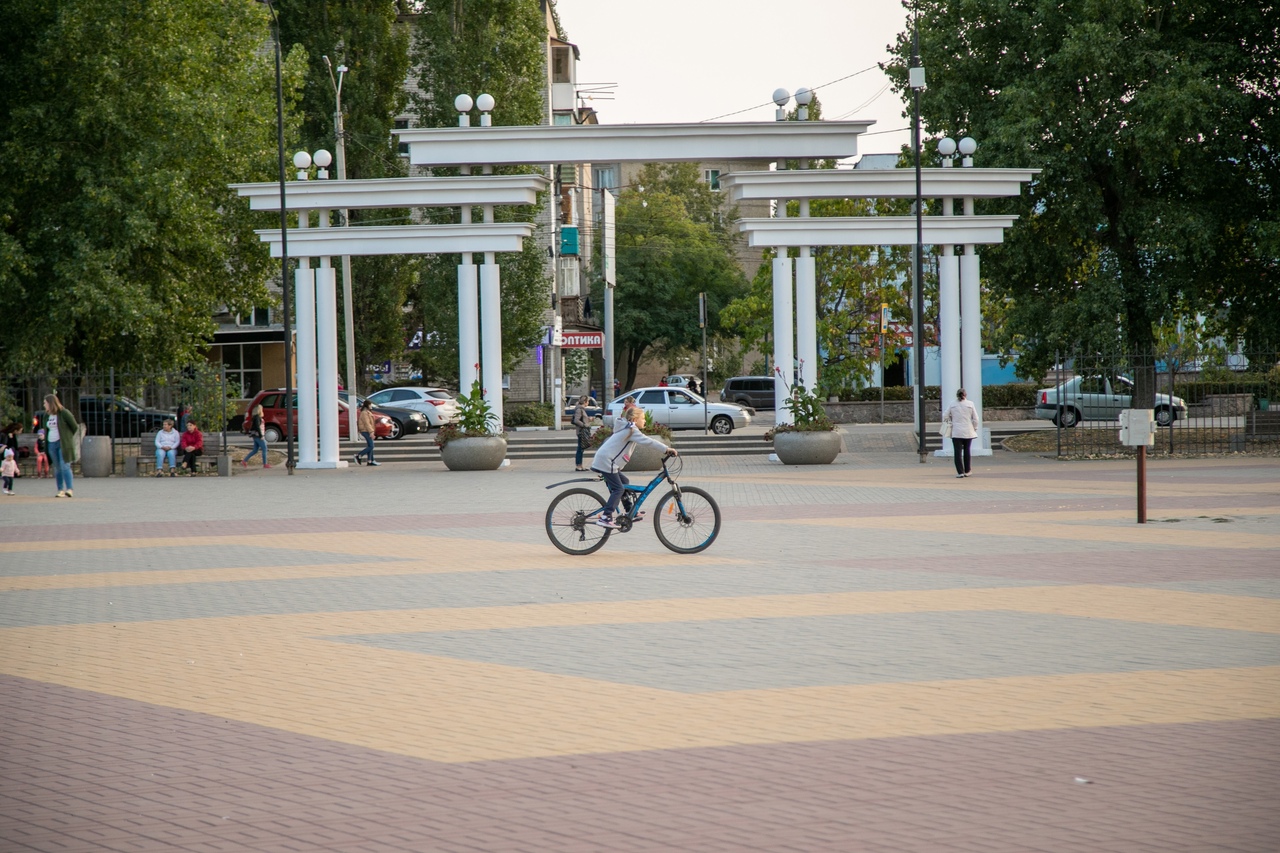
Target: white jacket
963, 417
615, 453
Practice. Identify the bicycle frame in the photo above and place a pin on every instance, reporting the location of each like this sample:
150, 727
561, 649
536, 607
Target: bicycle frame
642, 491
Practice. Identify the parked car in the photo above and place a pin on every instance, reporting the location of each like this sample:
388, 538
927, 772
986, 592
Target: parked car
403, 421
1099, 398
119, 416
681, 409
273, 416
679, 380
594, 409
436, 403
753, 391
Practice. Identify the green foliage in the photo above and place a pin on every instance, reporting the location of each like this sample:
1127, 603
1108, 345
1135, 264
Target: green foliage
123, 124
211, 405
667, 254
1013, 395
807, 413
896, 393
650, 428
475, 418
1155, 126
528, 414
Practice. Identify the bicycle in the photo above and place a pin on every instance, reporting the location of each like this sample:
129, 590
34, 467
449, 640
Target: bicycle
687, 519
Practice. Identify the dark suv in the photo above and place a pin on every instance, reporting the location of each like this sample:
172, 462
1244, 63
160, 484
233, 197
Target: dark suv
753, 391
119, 416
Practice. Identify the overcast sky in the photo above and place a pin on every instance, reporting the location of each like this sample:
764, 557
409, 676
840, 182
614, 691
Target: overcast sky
694, 60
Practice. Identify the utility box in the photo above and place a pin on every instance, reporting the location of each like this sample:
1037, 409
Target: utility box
569, 240
1137, 427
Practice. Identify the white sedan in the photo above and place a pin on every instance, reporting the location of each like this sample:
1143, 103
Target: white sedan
682, 409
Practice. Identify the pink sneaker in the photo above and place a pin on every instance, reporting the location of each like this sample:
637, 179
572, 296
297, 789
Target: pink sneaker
265, 465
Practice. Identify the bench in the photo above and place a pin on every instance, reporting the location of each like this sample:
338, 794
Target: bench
134, 466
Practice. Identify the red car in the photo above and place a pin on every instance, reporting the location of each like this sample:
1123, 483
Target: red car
273, 416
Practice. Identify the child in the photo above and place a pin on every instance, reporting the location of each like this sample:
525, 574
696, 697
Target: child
42, 456
8, 470
615, 453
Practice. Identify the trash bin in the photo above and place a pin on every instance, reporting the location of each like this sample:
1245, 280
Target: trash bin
95, 456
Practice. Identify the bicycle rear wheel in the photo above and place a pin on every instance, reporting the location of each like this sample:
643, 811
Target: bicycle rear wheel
688, 522
571, 522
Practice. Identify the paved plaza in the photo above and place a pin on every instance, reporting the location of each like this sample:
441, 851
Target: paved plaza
874, 656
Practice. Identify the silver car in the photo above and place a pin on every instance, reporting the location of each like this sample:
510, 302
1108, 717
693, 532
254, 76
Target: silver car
678, 408
1099, 398
436, 403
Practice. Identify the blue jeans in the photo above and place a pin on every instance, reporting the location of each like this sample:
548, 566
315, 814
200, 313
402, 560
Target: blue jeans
161, 455
259, 446
61, 468
368, 446
616, 484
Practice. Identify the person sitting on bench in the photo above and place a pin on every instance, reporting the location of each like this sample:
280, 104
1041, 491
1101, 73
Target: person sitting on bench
192, 446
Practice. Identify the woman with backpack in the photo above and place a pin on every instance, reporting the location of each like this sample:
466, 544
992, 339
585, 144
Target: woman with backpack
255, 432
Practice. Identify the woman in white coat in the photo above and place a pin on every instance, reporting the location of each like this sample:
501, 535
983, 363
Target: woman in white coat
963, 417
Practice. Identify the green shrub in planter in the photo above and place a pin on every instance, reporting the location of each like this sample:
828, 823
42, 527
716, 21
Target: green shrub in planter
528, 414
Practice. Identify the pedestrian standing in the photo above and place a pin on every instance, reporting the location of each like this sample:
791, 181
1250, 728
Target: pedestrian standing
61, 430
256, 433
963, 417
583, 426
8, 470
364, 423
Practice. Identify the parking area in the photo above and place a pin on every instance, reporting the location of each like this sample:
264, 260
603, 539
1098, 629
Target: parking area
873, 656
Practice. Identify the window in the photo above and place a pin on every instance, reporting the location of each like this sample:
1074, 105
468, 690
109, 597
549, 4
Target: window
402, 148
651, 398
1092, 385
679, 398
403, 394
562, 119
604, 177
712, 177
244, 367
270, 401
560, 65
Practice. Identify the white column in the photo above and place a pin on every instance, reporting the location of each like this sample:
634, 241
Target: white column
468, 325
304, 279
491, 337
807, 313
783, 341
948, 331
327, 362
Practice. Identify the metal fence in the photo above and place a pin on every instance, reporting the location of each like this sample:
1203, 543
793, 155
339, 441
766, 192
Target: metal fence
127, 407
1227, 404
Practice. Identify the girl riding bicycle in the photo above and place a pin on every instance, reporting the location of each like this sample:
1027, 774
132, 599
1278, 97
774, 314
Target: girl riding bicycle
613, 456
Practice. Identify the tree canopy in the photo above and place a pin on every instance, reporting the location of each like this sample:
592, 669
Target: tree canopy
1155, 126
123, 123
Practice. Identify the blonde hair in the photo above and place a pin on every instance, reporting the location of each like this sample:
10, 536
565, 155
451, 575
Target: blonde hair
257, 410
634, 414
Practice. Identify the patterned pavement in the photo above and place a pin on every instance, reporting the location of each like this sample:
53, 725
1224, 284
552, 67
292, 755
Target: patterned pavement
873, 656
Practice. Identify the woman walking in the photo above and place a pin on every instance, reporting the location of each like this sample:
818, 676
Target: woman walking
364, 423
963, 417
583, 426
259, 443
60, 430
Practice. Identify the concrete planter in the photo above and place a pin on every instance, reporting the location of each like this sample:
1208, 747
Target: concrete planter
806, 448
644, 458
474, 453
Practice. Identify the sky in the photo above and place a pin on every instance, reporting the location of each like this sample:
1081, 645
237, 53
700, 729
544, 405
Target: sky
695, 60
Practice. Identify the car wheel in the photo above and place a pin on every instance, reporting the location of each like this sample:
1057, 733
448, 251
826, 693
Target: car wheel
397, 429
1068, 417
272, 434
721, 425
1164, 416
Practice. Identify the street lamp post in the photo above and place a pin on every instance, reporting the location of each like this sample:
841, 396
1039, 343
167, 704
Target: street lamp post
917, 326
284, 253
348, 313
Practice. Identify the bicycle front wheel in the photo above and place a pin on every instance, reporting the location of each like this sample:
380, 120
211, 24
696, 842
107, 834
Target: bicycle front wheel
687, 522
571, 522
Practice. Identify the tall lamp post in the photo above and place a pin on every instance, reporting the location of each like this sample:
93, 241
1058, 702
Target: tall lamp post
284, 253
916, 80
340, 136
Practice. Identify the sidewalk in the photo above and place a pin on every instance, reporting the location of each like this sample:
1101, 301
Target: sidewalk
873, 656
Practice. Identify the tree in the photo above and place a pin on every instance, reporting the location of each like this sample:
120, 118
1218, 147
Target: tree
665, 257
123, 124
1155, 127
364, 36
494, 47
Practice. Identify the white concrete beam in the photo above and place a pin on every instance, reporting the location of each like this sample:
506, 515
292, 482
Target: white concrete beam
875, 183
396, 192
874, 230
642, 143
403, 239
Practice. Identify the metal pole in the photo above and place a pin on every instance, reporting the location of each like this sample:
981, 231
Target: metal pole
1142, 484
918, 322
348, 312
702, 322
284, 256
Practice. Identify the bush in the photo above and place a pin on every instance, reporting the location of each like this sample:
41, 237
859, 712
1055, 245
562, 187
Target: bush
895, 393
528, 414
1015, 395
